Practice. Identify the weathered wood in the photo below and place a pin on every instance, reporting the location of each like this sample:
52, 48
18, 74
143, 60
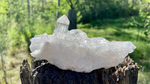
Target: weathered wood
43, 72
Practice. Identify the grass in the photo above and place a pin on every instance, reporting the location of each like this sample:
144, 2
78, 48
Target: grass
12, 64
111, 29
118, 30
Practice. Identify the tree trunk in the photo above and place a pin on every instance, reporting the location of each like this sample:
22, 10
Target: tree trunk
43, 72
3, 69
28, 8
72, 16
43, 5
133, 3
57, 12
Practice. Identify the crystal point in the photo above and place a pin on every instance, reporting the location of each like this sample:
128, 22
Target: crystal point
62, 25
63, 19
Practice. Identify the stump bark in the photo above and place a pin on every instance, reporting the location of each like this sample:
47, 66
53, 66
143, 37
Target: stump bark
43, 72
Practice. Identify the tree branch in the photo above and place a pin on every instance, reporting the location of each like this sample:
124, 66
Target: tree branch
77, 1
70, 4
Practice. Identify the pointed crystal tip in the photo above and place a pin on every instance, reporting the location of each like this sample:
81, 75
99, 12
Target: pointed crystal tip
64, 20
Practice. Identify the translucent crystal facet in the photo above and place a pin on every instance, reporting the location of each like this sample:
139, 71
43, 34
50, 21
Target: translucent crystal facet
73, 50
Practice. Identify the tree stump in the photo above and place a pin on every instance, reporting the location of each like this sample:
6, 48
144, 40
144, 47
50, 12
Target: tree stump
43, 72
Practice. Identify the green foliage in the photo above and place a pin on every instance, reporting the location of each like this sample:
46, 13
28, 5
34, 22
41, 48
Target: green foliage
146, 23
64, 7
3, 12
3, 20
73, 3
22, 25
95, 9
142, 22
3, 7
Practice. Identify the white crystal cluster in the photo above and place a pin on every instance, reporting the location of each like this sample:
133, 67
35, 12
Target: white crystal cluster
73, 50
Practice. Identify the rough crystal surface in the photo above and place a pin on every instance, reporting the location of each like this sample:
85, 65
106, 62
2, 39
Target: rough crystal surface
73, 50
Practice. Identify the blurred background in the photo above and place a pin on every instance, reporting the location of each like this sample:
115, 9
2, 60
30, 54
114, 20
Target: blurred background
119, 20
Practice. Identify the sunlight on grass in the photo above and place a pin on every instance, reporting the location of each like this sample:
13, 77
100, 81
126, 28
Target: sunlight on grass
143, 77
12, 65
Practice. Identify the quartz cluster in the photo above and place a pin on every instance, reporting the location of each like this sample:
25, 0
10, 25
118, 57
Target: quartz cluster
73, 50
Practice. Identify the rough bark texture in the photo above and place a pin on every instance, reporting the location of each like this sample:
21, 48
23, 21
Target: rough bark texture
43, 72
72, 16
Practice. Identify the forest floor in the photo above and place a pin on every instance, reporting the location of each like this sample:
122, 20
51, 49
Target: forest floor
111, 29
